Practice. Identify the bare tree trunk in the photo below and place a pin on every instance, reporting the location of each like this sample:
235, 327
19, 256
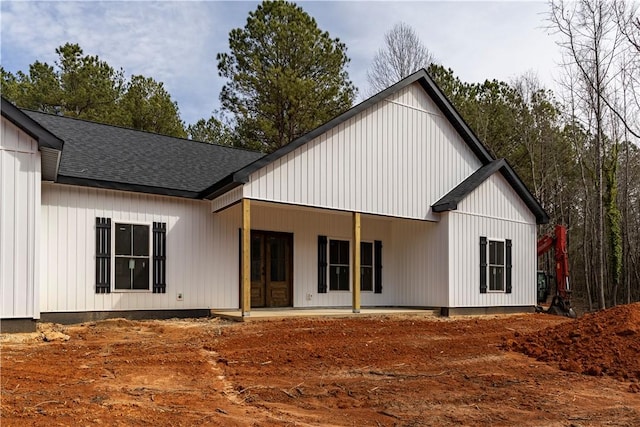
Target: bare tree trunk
585, 238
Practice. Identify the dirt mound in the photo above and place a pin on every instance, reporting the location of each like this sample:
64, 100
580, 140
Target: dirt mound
602, 343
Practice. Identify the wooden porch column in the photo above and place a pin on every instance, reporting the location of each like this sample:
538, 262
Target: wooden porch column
245, 280
356, 262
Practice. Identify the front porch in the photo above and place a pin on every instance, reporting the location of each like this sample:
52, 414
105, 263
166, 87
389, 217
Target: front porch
292, 258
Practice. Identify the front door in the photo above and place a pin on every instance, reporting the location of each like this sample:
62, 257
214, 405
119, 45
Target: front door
271, 269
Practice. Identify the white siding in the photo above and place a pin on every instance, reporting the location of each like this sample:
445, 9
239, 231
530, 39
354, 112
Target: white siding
419, 267
495, 211
19, 222
495, 198
464, 261
197, 253
226, 199
395, 159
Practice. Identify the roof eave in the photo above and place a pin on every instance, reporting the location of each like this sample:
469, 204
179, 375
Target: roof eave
50, 146
30, 126
122, 186
450, 200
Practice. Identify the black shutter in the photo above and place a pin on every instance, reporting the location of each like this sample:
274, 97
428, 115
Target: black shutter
483, 265
103, 255
508, 266
377, 286
322, 264
159, 257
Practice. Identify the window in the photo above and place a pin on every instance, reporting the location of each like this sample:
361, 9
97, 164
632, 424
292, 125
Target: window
336, 260
366, 266
339, 265
496, 265
131, 256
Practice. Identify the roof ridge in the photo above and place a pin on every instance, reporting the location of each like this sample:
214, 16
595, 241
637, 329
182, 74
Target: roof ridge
137, 130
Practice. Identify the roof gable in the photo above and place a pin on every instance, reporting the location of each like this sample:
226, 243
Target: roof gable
448, 110
451, 200
241, 176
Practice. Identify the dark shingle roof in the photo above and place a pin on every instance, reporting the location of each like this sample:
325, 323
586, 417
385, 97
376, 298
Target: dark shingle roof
450, 200
107, 156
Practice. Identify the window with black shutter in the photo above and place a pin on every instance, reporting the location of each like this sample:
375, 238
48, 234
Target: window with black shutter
334, 265
495, 265
139, 256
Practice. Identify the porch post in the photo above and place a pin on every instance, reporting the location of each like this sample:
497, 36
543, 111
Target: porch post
245, 291
356, 262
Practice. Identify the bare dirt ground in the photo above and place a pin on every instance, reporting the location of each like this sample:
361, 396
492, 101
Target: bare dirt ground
375, 371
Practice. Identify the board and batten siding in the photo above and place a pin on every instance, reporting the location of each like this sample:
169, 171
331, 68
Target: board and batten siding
495, 211
197, 251
419, 262
19, 222
394, 159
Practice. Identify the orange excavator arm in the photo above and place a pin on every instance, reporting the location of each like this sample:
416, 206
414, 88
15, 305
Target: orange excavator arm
559, 243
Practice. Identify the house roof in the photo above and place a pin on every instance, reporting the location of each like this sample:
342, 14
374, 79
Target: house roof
105, 156
49, 144
450, 200
422, 77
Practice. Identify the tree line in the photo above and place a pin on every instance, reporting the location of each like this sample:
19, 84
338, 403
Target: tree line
577, 149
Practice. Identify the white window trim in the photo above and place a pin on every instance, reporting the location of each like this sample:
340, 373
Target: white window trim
504, 265
342, 239
373, 266
113, 257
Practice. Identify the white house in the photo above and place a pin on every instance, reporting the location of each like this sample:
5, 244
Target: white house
393, 203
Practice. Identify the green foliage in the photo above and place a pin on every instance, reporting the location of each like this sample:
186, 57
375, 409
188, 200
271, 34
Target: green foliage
146, 105
211, 130
613, 215
520, 122
85, 87
89, 87
285, 76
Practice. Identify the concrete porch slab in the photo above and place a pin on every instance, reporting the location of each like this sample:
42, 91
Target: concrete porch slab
284, 313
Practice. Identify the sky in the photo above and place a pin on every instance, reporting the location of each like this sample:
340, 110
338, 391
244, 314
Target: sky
176, 42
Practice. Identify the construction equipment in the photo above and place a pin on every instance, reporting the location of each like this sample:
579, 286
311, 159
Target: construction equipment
561, 301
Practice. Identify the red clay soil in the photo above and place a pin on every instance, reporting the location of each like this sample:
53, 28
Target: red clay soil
366, 371
602, 343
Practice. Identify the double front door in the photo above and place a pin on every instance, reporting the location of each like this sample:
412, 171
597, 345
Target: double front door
271, 269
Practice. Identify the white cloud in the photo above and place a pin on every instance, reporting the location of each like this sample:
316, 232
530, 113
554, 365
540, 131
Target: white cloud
176, 42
